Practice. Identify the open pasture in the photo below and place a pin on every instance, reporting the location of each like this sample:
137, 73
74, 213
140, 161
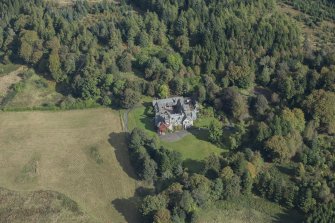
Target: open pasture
81, 154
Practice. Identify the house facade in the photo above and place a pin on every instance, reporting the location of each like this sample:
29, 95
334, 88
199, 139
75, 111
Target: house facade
175, 112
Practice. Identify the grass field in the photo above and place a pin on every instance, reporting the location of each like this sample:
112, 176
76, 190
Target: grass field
39, 206
81, 154
247, 210
9, 75
37, 92
7, 68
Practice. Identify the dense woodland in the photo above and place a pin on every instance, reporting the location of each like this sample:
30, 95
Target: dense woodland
244, 59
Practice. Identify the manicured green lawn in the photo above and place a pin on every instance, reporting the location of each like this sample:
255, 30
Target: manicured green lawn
193, 147
141, 117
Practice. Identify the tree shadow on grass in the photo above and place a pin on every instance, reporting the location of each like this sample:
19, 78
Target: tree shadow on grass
148, 123
194, 166
118, 141
128, 208
200, 133
286, 170
290, 216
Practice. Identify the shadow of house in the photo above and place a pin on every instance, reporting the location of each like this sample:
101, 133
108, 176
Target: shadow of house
118, 141
201, 134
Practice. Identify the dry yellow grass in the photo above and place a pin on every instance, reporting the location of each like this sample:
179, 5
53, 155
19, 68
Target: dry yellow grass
35, 95
8, 80
315, 35
51, 151
70, 2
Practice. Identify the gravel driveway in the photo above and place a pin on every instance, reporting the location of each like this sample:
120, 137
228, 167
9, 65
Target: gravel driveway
175, 136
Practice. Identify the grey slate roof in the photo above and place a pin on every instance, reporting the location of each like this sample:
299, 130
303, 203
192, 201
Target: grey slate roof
174, 110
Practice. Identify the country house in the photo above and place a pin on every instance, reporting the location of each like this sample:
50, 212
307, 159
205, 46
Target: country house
173, 113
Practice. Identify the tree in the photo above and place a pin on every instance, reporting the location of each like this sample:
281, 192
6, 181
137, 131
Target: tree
216, 131
143, 39
174, 61
262, 132
187, 202
241, 76
130, 98
163, 91
246, 183
177, 86
265, 76
280, 148
1, 36
212, 165
232, 187
321, 105
55, 67
182, 43
307, 202
323, 213
295, 117
260, 105
149, 169
30, 47
125, 62
300, 171
169, 163
151, 204
234, 104
162, 216
200, 93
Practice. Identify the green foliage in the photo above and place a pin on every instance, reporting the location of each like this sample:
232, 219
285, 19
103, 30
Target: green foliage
323, 213
321, 104
283, 148
164, 91
31, 49
151, 204
214, 51
18, 87
174, 61
55, 67
130, 98
216, 131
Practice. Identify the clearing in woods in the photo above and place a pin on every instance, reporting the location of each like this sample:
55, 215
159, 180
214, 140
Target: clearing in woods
81, 154
7, 79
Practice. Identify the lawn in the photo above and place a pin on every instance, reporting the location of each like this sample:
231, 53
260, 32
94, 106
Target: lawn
193, 147
37, 92
80, 153
247, 210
